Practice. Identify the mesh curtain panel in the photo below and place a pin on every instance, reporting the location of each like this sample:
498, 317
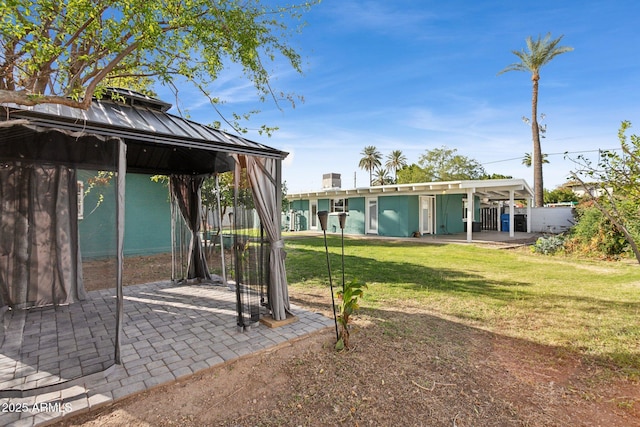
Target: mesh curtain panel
250, 253
58, 306
39, 237
186, 199
265, 183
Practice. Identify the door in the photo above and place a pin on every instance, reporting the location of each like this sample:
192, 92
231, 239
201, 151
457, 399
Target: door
427, 204
372, 216
313, 212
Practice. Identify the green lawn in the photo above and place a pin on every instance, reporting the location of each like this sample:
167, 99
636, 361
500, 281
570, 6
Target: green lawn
591, 308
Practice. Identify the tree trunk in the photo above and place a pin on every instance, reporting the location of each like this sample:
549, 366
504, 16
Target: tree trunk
536, 156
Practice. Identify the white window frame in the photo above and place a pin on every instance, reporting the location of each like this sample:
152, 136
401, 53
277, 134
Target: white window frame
313, 220
337, 207
465, 208
370, 230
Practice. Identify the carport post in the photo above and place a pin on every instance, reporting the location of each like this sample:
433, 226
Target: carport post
511, 212
470, 210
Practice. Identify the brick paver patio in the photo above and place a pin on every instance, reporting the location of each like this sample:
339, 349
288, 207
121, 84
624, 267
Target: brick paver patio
169, 332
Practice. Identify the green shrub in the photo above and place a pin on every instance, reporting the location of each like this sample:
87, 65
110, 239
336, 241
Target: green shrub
548, 245
594, 234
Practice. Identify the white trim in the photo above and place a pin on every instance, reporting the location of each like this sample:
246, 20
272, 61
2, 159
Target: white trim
367, 215
313, 216
430, 229
492, 189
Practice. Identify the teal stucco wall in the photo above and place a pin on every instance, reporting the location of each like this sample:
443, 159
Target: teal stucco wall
301, 211
449, 208
397, 215
147, 217
356, 217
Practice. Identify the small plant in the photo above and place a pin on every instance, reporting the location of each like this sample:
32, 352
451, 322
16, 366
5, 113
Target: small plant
349, 297
548, 245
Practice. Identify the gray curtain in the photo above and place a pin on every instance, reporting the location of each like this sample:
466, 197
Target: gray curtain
185, 189
39, 236
266, 188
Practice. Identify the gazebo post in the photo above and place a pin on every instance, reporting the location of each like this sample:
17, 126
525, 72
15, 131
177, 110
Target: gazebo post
120, 193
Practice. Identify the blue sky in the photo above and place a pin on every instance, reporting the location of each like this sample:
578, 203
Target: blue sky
418, 75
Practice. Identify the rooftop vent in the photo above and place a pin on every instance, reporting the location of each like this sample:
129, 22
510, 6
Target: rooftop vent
136, 99
331, 180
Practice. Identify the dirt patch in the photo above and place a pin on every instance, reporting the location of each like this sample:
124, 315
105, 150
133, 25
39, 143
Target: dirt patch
101, 273
407, 367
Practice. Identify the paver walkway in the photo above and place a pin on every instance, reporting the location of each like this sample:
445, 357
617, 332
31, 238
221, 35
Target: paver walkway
169, 332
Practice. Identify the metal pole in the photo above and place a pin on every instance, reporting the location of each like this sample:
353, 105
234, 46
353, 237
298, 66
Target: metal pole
221, 237
343, 219
322, 216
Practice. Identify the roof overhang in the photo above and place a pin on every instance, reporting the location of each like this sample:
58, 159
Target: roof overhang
490, 189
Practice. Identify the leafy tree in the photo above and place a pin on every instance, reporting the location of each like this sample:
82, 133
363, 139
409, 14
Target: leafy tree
395, 161
538, 53
496, 176
66, 52
613, 184
411, 174
443, 164
560, 195
370, 160
526, 160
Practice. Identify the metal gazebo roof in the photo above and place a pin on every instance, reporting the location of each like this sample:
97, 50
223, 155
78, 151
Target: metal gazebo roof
157, 141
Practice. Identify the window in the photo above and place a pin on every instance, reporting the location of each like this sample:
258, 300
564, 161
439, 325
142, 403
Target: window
339, 205
465, 206
80, 200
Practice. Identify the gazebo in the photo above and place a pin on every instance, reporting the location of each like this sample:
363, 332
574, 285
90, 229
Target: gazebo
43, 147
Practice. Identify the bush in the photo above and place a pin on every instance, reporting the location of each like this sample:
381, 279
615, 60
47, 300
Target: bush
594, 234
548, 245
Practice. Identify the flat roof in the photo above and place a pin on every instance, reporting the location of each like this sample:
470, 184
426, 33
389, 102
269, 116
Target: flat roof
492, 189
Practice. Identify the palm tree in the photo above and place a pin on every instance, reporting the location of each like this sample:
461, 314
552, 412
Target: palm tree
526, 160
538, 54
395, 161
382, 177
370, 160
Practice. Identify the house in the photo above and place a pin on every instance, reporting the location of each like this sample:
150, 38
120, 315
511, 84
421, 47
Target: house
404, 210
593, 189
147, 227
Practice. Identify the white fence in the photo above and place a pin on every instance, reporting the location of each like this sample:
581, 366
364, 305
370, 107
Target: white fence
550, 220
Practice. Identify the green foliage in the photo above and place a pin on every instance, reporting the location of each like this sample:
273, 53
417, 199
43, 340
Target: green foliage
382, 177
594, 234
411, 174
614, 189
97, 184
548, 245
371, 159
349, 304
443, 164
560, 195
395, 161
67, 51
526, 160
496, 176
